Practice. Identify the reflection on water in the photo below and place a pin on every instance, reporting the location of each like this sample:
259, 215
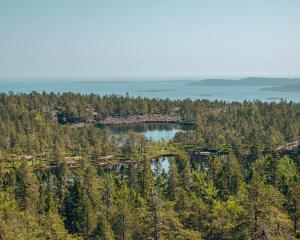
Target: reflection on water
160, 166
161, 134
155, 131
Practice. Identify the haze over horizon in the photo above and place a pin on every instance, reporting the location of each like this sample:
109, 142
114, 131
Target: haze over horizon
164, 38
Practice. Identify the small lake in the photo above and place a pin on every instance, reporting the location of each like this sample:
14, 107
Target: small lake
159, 166
154, 131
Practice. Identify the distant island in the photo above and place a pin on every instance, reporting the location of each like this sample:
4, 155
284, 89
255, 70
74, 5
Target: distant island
269, 84
152, 91
250, 81
284, 88
101, 82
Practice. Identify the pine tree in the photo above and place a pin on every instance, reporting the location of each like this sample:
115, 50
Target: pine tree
266, 215
227, 219
78, 208
26, 188
147, 179
123, 212
103, 230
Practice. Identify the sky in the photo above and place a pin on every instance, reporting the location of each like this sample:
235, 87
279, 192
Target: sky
149, 38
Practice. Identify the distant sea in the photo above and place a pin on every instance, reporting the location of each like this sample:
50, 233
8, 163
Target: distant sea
150, 88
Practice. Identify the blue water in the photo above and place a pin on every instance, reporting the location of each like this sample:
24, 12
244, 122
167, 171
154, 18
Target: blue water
178, 89
164, 163
161, 134
153, 131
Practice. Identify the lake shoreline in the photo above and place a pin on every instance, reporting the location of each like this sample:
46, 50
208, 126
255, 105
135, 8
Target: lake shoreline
138, 119
134, 120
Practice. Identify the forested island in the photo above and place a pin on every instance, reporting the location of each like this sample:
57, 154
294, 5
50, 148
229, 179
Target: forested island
235, 175
268, 84
249, 81
284, 88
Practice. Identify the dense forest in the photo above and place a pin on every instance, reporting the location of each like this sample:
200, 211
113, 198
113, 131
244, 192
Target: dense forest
57, 179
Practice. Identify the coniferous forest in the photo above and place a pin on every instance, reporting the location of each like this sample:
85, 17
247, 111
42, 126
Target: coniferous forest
231, 176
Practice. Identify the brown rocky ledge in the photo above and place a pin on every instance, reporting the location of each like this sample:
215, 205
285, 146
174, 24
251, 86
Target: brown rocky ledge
170, 118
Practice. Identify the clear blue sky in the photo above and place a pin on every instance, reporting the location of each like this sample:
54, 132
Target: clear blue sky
97, 38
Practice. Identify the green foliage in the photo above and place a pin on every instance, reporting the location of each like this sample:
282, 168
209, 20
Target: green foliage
227, 218
61, 177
